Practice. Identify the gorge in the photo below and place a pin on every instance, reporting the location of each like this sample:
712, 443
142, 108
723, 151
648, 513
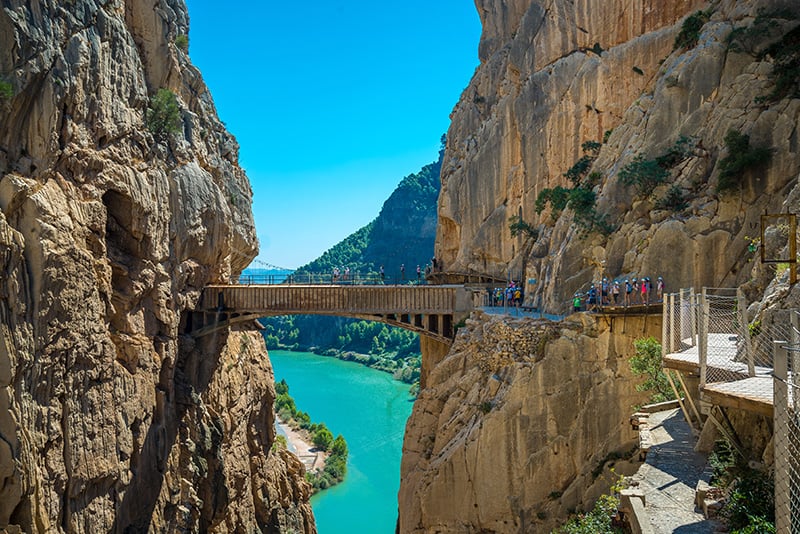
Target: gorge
609, 127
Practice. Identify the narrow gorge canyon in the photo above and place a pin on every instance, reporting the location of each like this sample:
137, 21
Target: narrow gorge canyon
112, 417
604, 130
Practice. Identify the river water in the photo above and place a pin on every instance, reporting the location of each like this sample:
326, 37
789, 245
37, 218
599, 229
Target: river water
370, 410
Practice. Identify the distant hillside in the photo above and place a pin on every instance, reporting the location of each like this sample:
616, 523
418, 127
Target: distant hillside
403, 232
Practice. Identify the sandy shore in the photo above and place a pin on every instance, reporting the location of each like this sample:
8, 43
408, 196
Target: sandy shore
299, 443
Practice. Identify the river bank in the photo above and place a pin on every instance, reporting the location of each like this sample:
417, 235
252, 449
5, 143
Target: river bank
298, 441
369, 409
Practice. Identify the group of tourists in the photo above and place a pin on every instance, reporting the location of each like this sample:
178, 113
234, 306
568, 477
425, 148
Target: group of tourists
628, 292
511, 295
344, 275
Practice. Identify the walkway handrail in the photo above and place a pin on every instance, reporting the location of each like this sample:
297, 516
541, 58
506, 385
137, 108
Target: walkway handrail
306, 278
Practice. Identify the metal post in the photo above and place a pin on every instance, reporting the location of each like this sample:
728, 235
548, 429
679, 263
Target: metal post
702, 338
693, 315
672, 324
665, 327
783, 512
744, 332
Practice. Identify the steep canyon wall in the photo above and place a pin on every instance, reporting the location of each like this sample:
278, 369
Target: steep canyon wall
112, 416
512, 419
516, 422
556, 74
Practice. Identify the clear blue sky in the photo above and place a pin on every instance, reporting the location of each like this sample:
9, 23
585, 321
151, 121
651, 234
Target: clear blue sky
333, 102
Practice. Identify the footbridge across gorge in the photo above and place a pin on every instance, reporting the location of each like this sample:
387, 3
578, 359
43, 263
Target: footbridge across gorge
430, 310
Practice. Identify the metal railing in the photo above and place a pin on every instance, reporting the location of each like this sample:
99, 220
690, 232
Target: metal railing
326, 279
711, 329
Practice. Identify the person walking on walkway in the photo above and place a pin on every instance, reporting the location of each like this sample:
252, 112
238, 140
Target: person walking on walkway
419, 274
402, 272
383, 274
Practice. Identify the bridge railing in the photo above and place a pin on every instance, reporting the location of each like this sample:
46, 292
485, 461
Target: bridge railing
357, 279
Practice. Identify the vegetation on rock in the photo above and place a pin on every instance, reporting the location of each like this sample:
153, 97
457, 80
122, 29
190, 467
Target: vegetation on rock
741, 157
518, 226
163, 116
580, 198
749, 493
643, 174
182, 42
322, 438
647, 363
674, 200
6, 91
600, 520
690, 30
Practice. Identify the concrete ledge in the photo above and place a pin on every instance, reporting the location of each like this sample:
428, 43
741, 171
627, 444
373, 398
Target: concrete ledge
660, 406
632, 504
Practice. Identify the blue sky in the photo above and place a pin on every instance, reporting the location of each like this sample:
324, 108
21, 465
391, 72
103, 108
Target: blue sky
333, 102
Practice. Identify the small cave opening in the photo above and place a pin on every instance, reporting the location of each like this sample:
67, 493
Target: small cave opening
122, 245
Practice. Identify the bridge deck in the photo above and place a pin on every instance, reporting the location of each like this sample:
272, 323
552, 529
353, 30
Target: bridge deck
429, 310
336, 299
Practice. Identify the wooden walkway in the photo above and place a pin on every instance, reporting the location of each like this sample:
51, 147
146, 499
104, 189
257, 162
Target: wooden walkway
427, 309
729, 382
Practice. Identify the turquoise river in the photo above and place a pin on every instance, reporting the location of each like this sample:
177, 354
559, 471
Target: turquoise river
369, 409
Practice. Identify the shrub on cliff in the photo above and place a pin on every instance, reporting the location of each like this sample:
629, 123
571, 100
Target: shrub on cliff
6, 91
182, 42
647, 363
741, 157
690, 30
644, 174
163, 116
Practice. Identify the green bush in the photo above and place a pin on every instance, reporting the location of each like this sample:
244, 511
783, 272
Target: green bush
557, 198
579, 169
674, 200
182, 42
643, 174
163, 116
741, 157
322, 438
690, 30
519, 227
647, 363
600, 519
750, 501
6, 91
786, 66
677, 153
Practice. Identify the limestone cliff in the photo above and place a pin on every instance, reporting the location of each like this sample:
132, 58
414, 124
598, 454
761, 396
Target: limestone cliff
516, 422
112, 416
555, 74
502, 437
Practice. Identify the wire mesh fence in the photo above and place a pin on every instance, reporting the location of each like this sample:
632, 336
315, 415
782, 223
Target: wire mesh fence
786, 402
758, 360
710, 329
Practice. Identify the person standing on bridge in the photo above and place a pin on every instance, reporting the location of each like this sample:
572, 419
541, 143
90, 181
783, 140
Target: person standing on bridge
419, 275
402, 272
383, 274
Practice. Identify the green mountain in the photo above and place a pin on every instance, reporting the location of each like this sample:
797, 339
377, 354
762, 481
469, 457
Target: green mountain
403, 233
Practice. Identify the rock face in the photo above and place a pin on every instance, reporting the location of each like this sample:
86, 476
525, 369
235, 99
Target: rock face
554, 75
515, 420
508, 426
112, 416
